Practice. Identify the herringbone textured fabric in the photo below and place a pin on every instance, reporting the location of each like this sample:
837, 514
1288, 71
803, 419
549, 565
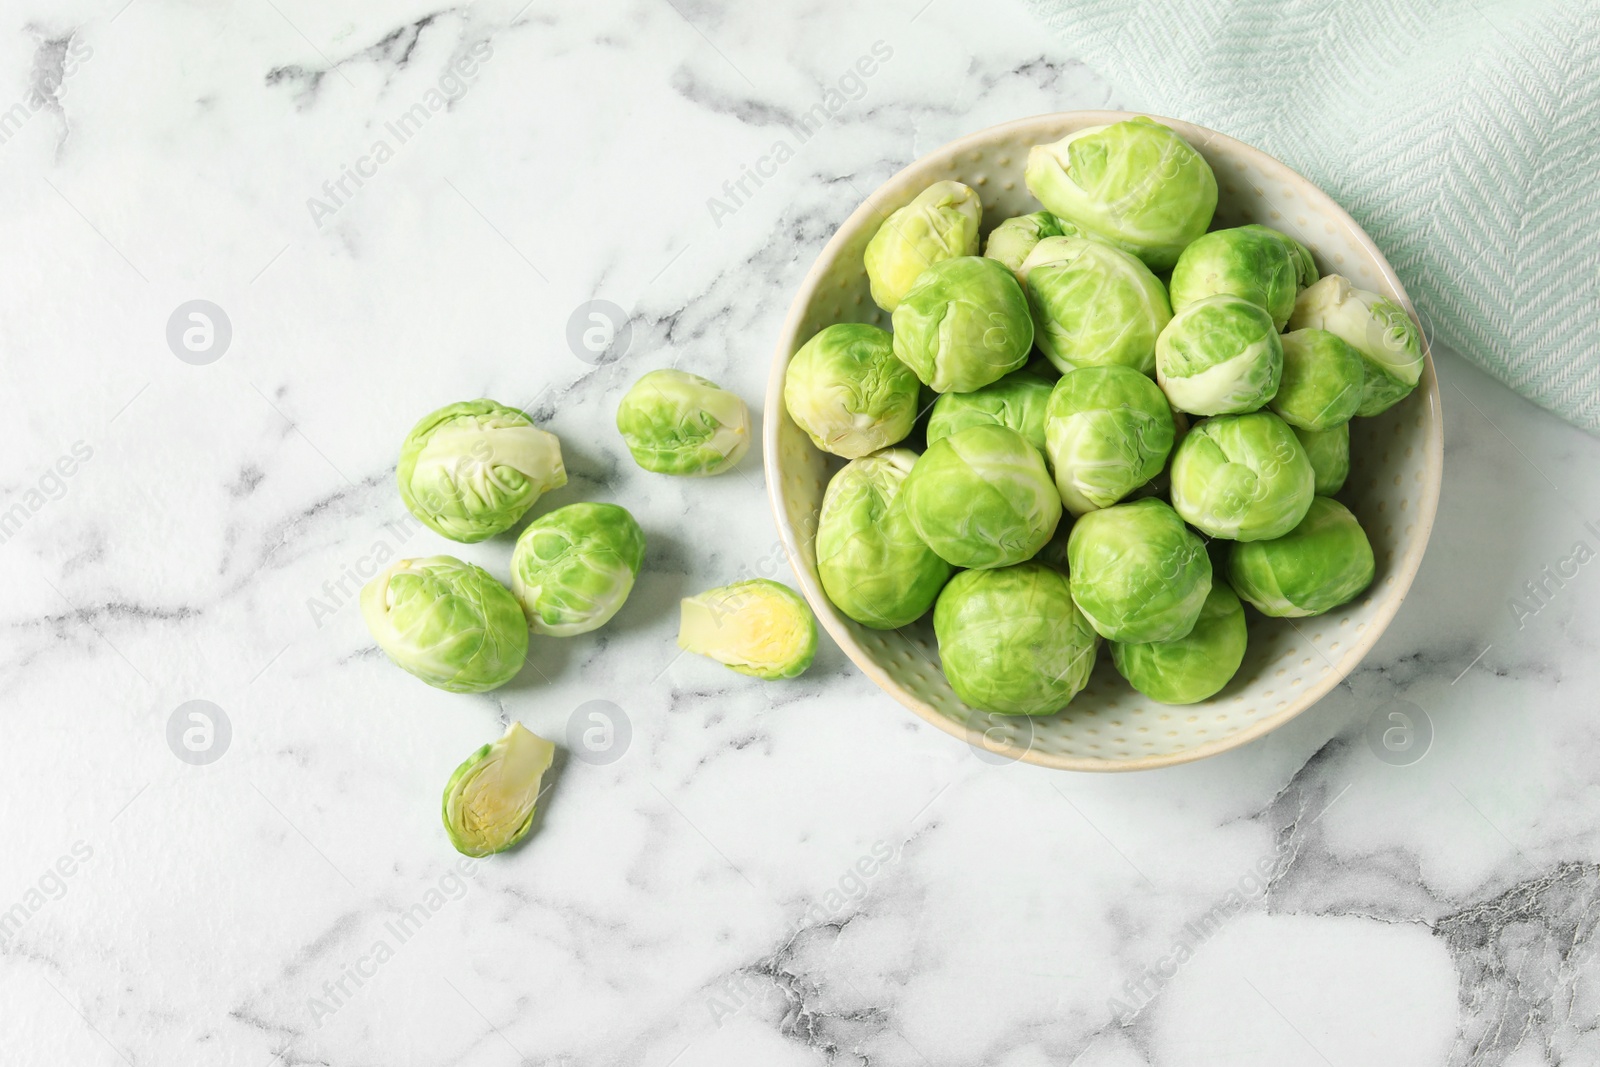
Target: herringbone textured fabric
1464, 137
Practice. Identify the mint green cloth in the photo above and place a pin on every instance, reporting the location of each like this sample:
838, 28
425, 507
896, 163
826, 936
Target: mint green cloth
1463, 136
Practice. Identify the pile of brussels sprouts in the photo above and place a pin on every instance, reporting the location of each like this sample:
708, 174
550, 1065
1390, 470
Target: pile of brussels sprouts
1170, 418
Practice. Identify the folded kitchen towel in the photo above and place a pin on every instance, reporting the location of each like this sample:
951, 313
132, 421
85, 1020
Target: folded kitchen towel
1463, 135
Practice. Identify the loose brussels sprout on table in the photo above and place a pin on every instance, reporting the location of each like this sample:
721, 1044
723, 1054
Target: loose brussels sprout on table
1012, 240
963, 325
982, 498
1016, 401
447, 622
1389, 343
1093, 305
675, 422
1329, 452
1219, 356
1243, 477
941, 223
1195, 666
849, 392
471, 470
756, 627
489, 801
1250, 262
1322, 381
1137, 572
1108, 431
573, 568
1011, 640
1323, 562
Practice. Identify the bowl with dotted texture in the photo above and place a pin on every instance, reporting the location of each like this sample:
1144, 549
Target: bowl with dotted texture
1396, 461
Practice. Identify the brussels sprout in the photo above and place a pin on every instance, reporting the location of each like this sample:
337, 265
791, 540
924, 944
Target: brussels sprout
471, 470
489, 801
756, 627
1138, 573
1250, 262
849, 393
1136, 184
1329, 452
447, 622
1109, 431
1219, 356
1193, 667
1389, 343
1322, 380
573, 568
1323, 562
873, 565
1093, 305
941, 223
1305, 268
1012, 642
982, 498
963, 325
1243, 477
1018, 401
1012, 240
675, 422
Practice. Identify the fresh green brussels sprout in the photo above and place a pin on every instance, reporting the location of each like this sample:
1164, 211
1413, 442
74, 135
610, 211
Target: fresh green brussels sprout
573, 568
1138, 573
471, 470
1136, 184
1193, 667
675, 422
1011, 640
1244, 477
1109, 431
1329, 452
873, 565
1322, 381
850, 394
1305, 268
490, 800
1018, 400
1093, 305
757, 627
1389, 343
941, 223
963, 325
982, 498
1250, 262
1323, 562
1219, 356
1012, 240
447, 622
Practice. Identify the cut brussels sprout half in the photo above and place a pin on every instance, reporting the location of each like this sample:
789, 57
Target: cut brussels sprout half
1138, 573
1219, 356
573, 568
982, 498
447, 622
1389, 343
1017, 401
941, 223
1243, 477
1329, 452
850, 394
471, 470
489, 801
1323, 562
1108, 431
1249, 262
1093, 305
675, 422
1012, 240
1191, 668
1322, 381
1011, 640
756, 627
963, 325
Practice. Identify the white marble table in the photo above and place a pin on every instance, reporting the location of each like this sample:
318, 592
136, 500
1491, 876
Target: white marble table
769, 874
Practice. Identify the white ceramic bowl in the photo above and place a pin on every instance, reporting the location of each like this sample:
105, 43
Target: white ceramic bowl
1396, 463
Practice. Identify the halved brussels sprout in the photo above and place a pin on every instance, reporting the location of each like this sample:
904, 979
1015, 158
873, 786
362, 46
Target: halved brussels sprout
963, 325
850, 394
1250, 262
1219, 356
1017, 401
982, 498
447, 622
941, 223
1093, 305
1323, 562
756, 627
1012, 642
1136, 184
1329, 452
1322, 381
471, 470
1193, 667
490, 799
1138, 573
1012, 240
1109, 430
573, 568
873, 565
1389, 343
675, 422
1244, 477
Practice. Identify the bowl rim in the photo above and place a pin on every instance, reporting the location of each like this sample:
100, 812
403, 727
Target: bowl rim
1405, 568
